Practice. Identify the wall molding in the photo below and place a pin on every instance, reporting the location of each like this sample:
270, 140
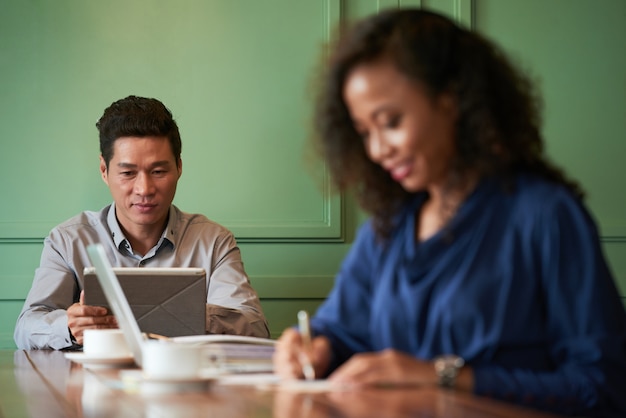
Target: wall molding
293, 286
318, 216
329, 226
267, 286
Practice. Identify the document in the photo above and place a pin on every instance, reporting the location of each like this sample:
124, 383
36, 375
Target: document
271, 381
224, 338
234, 353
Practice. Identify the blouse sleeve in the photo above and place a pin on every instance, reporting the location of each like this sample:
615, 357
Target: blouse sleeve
344, 317
584, 318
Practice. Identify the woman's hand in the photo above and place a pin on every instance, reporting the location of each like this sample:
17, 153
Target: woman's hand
388, 367
81, 317
394, 368
290, 355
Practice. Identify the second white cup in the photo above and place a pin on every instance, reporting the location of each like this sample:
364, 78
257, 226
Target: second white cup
105, 343
168, 360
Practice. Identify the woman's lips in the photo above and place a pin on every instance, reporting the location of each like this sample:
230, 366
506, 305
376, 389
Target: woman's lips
400, 172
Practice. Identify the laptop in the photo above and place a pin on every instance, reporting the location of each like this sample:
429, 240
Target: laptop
165, 301
257, 361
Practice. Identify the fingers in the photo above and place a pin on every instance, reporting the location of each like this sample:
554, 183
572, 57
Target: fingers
78, 310
359, 370
388, 367
81, 317
290, 355
320, 356
287, 355
78, 325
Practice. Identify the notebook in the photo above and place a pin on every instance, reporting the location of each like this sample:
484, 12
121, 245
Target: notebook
259, 350
165, 301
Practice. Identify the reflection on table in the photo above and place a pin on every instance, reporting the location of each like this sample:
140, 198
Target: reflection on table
46, 384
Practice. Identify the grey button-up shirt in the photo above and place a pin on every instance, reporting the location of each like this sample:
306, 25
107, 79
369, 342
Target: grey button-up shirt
189, 240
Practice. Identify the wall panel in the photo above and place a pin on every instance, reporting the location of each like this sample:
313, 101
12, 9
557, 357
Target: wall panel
460, 10
236, 76
9, 310
282, 313
616, 255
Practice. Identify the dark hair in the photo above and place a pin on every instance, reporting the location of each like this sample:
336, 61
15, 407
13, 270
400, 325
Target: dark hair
140, 117
498, 128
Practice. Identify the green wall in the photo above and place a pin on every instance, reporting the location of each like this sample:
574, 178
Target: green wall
237, 76
575, 51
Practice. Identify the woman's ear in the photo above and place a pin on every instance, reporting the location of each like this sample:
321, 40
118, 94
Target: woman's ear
449, 103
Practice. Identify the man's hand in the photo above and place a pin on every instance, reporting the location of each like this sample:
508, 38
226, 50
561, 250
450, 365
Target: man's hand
81, 317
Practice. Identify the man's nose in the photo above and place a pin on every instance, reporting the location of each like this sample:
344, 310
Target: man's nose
144, 184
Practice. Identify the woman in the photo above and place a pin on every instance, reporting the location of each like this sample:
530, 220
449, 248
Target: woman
480, 268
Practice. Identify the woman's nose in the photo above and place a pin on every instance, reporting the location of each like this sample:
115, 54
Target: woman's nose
377, 147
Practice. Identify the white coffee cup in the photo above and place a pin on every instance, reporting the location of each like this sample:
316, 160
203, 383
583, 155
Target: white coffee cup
105, 343
169, 360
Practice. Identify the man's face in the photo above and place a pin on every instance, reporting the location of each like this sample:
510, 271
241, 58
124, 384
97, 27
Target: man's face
142, 178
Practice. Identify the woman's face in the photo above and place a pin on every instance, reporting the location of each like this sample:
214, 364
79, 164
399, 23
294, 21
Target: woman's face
405, 131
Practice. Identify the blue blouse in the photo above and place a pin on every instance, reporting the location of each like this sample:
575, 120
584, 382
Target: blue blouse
516, 284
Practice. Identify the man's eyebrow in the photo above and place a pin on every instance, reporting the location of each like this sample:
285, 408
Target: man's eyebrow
160, 163
126, 165
154, 164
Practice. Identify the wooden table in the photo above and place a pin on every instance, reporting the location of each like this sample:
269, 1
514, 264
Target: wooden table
46, 384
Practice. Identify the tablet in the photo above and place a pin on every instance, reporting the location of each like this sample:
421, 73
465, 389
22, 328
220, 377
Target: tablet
169, 301
241, 354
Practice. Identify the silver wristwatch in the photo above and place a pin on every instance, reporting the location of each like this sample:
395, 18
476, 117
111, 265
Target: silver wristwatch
447, 368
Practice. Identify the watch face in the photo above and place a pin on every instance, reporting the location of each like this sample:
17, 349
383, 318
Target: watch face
447, 368
448, 361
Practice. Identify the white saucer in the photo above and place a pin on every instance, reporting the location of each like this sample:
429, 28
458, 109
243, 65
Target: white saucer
93, 362
159, 385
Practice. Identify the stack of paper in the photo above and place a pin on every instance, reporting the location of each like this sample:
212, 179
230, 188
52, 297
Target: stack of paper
235, 353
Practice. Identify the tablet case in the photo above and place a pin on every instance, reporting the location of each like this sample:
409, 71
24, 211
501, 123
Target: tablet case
165, 301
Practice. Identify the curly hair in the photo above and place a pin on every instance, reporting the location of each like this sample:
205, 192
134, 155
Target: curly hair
498, 128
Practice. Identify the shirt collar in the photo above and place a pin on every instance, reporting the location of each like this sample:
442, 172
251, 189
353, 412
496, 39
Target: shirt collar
170, 234
116, 231
172, 228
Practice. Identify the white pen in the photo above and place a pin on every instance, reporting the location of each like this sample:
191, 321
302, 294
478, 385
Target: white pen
305, 332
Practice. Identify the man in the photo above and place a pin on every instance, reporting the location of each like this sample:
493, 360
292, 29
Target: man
140, 162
